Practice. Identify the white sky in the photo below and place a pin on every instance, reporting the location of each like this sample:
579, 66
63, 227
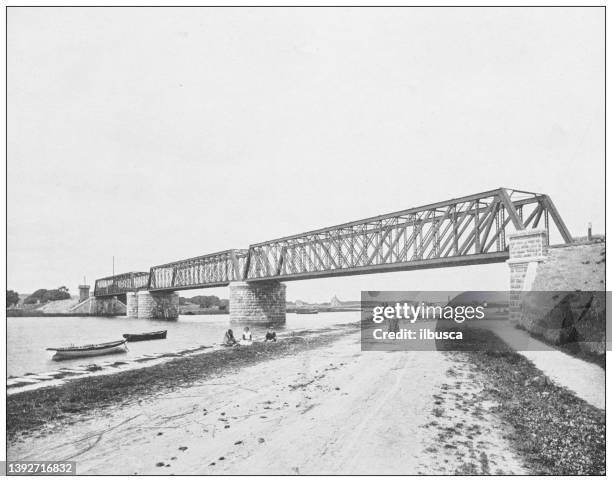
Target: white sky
160, 134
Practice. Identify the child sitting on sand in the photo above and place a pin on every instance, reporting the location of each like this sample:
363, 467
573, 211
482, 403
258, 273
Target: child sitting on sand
270, 336
228, 338
247, 337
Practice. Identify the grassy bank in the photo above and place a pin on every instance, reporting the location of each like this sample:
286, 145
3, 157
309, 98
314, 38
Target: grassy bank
554, 431
35, 410
37, 313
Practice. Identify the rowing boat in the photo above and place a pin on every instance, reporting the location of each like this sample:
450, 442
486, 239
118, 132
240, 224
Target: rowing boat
152, 335
63, 353
307, 311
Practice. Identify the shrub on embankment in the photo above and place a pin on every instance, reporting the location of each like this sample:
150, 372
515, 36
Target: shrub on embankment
44, 296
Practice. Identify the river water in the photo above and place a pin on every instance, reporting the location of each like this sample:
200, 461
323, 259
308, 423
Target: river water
28, 337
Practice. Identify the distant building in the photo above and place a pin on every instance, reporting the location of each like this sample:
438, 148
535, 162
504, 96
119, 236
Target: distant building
83, 292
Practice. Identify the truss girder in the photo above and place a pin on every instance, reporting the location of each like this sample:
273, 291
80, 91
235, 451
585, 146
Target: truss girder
216, 269
460, 228
467, 230
121, 284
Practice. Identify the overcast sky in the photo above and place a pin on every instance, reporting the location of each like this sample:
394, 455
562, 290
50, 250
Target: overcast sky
159, 134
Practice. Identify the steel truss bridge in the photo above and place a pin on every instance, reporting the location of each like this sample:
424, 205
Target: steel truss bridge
463, 231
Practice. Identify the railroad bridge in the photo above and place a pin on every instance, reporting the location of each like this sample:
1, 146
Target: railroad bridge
502, 225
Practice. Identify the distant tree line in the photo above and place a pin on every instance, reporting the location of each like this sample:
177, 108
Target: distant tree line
44, 296
12, 298
204, 301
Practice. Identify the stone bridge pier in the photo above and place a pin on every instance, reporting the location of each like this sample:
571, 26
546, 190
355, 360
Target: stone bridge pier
153, 305
132, 304
262, 302
528, 248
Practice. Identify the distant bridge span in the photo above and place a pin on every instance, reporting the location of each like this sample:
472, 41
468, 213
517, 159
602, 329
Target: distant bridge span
463, 231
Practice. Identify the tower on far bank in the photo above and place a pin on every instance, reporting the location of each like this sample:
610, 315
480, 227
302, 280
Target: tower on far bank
83, 292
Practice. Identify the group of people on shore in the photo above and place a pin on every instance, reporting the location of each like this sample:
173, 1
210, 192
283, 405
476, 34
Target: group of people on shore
246, 339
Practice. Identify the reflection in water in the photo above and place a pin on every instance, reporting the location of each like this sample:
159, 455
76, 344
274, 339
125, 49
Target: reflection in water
28, 337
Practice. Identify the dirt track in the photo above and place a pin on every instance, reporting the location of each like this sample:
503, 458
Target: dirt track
332, 410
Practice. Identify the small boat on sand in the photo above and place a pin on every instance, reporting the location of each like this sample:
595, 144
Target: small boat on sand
63, 353
152, 335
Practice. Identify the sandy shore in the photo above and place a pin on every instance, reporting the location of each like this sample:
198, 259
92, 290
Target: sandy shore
328, 410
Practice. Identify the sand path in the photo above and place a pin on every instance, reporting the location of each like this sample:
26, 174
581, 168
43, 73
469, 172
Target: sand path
586, 380
331, 410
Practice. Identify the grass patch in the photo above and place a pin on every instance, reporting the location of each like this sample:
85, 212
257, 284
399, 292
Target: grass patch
34, 410
554, 431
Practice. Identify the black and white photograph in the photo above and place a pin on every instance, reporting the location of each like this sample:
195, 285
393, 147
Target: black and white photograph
305, 240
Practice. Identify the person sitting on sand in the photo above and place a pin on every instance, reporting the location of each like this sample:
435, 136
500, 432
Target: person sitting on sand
393, 325
247, 337
270, 335
228, 338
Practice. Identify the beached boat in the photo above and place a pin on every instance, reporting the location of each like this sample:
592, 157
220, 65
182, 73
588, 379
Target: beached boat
152, 335
63, 353
306, 311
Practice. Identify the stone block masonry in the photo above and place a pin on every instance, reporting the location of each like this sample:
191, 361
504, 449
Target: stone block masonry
257, 302
528, 243
158, 305
132, 305
528, 248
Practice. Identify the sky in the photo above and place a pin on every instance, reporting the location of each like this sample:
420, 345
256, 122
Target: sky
157, 134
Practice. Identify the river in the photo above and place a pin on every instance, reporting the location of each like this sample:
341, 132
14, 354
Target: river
27, 338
